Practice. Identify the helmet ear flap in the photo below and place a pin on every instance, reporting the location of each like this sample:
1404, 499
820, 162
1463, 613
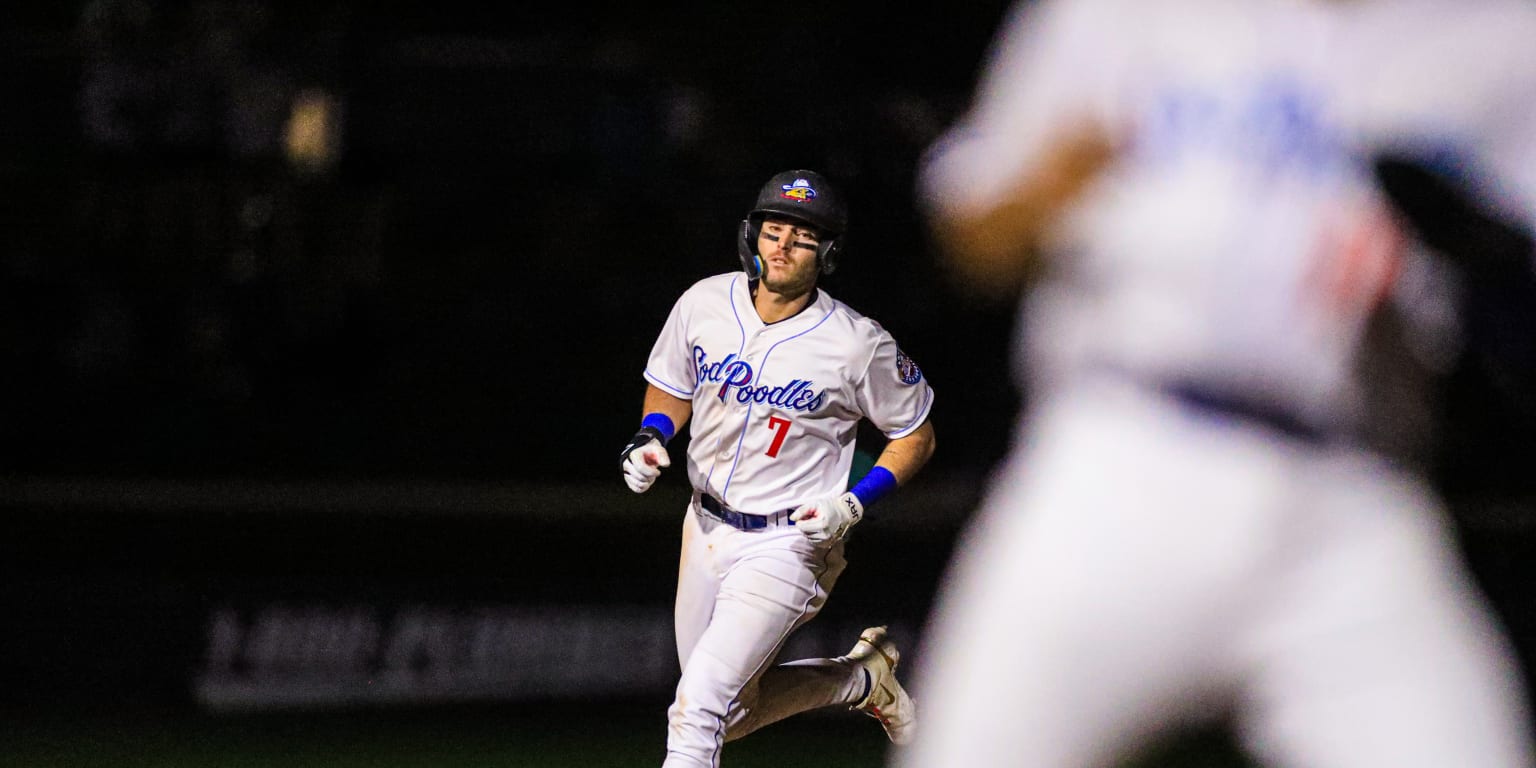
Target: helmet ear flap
746, 247
828, 253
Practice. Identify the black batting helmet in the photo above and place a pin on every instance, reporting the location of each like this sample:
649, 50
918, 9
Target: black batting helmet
803, 195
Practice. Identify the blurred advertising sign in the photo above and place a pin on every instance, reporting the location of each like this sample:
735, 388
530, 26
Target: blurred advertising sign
282, 655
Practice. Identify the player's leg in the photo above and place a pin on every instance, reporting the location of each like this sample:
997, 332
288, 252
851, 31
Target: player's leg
699, 572
800, 686
863, 679
795, 687
771, 583
1090, 599
698, 581
1377, 649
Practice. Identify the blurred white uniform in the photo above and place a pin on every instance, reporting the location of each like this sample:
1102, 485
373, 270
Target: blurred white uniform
1189, 523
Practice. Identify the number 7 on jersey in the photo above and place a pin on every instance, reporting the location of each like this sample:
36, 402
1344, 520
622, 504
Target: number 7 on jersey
781, 426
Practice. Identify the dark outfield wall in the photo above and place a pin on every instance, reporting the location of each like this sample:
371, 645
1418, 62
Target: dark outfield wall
266, 596
259, 597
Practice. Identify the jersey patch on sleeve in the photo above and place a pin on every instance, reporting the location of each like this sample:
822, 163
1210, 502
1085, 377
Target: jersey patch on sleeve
906, 369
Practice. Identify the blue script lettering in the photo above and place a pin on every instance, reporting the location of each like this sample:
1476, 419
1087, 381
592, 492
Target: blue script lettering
731, 373
1274, 124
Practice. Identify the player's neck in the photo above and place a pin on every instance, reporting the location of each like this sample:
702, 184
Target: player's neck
773, 306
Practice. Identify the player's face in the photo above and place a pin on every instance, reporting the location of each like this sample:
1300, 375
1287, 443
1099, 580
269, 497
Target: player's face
788, 248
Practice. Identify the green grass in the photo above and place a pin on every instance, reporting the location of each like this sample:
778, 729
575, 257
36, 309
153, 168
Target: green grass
555, 736
543, 736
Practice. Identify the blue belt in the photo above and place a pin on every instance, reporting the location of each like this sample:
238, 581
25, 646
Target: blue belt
1250, 411
743, 521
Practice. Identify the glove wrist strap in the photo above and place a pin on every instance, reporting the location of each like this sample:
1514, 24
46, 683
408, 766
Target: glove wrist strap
645, 435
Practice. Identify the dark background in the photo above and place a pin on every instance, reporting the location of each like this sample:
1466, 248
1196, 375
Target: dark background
404, 374
472, 289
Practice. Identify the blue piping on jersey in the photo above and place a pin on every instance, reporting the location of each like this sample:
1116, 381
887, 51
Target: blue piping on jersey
922, 415
763, 369
678, 391
730, 295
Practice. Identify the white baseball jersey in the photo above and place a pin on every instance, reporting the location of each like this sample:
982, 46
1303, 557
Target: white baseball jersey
1161, 540
776, 406
775, 414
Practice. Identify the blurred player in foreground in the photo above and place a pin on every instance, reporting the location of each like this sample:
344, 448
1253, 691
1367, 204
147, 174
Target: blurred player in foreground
1207, 512
775, 375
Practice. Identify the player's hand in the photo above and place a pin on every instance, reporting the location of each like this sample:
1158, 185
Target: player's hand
643, 459
828, 519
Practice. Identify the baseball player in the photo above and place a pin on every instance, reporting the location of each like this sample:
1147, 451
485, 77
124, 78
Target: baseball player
774, 375
1193, 521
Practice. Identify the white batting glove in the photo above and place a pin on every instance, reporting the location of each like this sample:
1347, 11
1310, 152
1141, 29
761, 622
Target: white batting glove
828, 519
643, 461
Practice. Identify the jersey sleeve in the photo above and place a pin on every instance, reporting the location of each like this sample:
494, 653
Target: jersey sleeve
670, 366
1048, 70
893, 394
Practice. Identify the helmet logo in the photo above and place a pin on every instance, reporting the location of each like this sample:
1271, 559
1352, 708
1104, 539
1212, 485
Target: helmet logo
800, 190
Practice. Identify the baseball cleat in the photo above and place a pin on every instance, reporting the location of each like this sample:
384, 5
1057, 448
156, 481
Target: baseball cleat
886, 701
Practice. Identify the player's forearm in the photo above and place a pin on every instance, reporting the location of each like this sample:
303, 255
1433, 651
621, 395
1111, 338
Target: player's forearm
993, 250
900, 460
674, 408
904, 456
